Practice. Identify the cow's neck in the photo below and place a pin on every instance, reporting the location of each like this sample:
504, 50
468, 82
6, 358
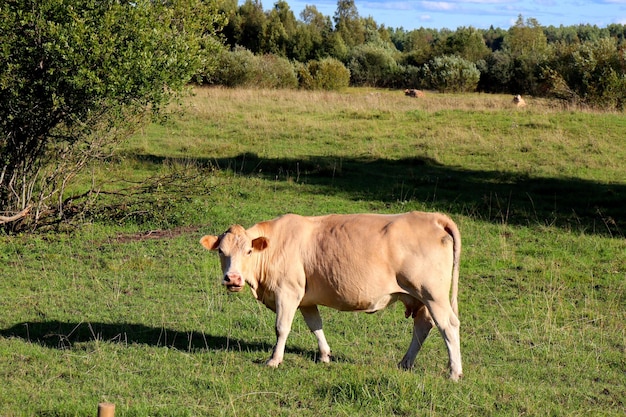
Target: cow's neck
261, 286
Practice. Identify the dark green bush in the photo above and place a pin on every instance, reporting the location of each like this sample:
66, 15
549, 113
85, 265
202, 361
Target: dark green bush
372, 65
235, 68
451, 74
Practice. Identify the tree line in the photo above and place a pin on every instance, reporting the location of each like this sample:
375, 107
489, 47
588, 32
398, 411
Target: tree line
78, 76
585, 64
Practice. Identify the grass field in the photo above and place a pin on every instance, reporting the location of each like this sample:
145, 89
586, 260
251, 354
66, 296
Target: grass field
126, 306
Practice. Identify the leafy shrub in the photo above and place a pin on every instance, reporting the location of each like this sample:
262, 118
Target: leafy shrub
241, 68
409, 76
372, 65
590, 72
305, 79
495, 72
76, 76
451, 73
329, 74
235, 68
273, 71
326, 74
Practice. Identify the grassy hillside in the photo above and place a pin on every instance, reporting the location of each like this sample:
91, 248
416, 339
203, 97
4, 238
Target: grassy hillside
128, 308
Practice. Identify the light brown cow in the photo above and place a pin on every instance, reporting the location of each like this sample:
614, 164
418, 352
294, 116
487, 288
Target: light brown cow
353, 262
414, 93
519, 101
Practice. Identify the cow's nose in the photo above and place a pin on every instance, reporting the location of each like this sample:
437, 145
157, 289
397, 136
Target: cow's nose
232, 277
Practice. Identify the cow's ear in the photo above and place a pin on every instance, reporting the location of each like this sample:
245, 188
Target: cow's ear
260, 243
210, 242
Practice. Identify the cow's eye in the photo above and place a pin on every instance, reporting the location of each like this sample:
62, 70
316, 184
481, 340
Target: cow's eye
249, 252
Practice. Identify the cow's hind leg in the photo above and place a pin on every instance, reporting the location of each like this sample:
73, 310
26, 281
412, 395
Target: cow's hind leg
448, 324
422, 324
314, 321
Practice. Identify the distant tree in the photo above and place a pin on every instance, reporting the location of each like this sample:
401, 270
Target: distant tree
252, 21
76, 76
496, 71
311, 40
418, 48
618, 32
526, 40
280, 30
566, 34
494, 38
527, 45
348, 23
466, 42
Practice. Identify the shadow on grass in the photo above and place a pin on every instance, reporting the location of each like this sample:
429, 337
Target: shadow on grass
499, 197
63, 335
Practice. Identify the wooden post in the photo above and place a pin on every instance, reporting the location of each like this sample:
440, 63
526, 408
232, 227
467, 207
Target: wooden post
106, 410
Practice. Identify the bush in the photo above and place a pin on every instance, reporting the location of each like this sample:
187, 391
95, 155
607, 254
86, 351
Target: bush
76, 76
235, 68
329, 74
589, 73
372, 65
451, 74
241, 68
495, 72
409, 76
273, 71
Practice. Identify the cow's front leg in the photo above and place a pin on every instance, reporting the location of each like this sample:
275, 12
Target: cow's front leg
285, 311
314, 321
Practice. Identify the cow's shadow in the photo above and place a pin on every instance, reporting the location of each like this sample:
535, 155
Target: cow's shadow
64, 335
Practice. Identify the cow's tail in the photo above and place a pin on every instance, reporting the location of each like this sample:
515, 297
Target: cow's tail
452, 229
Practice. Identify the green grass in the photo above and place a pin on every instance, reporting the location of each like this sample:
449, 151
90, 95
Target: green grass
128, 308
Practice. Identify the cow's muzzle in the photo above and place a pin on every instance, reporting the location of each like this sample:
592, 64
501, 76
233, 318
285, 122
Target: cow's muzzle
233, 282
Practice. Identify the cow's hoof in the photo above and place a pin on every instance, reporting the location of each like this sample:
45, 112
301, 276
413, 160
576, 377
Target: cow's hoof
325, 358
272, 363
405, 364
455, 377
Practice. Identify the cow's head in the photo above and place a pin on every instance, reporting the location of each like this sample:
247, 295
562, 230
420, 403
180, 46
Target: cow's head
235, 248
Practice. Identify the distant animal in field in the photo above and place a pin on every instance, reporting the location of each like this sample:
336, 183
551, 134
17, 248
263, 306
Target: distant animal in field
518, 101
349, 262
414, 93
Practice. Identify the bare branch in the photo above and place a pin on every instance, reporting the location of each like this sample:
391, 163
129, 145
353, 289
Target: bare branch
15, 217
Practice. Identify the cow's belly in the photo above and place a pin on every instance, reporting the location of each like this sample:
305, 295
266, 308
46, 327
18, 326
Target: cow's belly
366, 298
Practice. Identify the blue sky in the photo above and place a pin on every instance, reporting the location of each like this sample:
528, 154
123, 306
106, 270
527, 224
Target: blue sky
477, 13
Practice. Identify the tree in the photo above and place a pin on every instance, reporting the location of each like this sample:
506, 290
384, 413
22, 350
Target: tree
280, 30
468, 43
252, 22
77, 75
526, 40
348, 23
527, 45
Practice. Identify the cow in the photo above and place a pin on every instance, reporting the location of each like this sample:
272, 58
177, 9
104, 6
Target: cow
519, 101
349, 262
414, 93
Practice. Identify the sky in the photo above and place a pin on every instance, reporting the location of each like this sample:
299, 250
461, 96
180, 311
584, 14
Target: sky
480, 14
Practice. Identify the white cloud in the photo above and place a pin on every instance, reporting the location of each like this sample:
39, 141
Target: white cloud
441, 6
